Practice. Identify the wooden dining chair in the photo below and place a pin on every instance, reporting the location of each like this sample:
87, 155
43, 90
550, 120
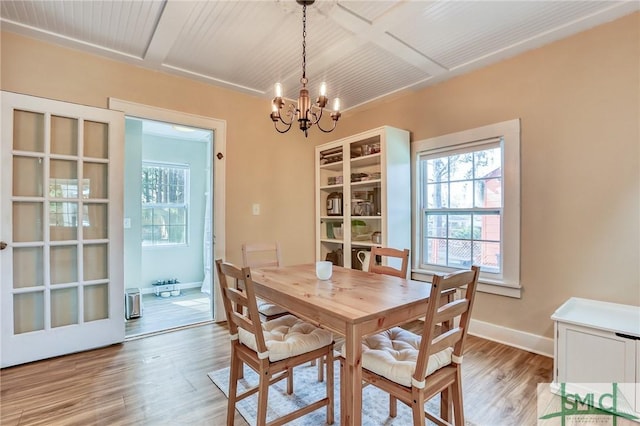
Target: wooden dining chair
260, 255
414, 368
381, 268
270, 348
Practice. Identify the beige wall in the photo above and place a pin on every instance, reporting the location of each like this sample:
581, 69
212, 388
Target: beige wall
578, 101
262, 166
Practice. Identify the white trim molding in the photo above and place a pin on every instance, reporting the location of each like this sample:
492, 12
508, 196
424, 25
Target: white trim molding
518, 339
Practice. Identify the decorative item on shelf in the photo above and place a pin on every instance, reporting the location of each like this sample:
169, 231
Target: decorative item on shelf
376, 237
362, 208
336, 257
357, 177
334, 180
367, 149
331, 155
337, 232
304, 112
334, 204
359, 227
330, 233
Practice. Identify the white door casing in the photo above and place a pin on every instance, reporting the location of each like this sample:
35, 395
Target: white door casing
61, 203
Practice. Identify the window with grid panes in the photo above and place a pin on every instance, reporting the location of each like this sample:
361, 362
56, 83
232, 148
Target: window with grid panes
462, 206
165, 189
468, 204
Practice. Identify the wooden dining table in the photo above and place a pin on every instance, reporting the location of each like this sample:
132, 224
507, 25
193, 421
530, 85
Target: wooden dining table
351, 303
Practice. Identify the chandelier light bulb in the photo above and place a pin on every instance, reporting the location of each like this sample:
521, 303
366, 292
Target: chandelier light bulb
278, 90
323, 89
336, 104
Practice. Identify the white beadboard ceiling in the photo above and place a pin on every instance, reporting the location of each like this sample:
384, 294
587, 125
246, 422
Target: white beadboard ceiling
364, 50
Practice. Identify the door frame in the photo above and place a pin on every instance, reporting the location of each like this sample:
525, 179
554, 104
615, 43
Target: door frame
219, 129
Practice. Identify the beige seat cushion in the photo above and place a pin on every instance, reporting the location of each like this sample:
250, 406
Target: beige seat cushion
269, 309
393, 354
288, 336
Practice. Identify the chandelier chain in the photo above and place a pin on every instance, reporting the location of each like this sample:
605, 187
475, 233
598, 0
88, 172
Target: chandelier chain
304, 42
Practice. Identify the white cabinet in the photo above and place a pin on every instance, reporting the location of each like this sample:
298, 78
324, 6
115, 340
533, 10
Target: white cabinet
363, 193
598, 344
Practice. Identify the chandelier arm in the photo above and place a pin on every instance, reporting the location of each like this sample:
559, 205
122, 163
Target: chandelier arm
316, 116
290, 112
275, 125
329, 130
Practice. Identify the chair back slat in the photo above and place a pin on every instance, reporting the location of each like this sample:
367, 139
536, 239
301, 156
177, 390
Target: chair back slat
451, 310
239, 301
403, 255
437, 313
261, 254
445, 340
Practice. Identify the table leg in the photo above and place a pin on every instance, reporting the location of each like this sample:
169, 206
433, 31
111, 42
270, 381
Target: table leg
351, 387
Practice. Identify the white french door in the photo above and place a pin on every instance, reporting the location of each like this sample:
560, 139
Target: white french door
61, 192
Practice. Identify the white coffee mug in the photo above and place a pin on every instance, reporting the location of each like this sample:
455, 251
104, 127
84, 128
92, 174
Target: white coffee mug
324, 268
364, 257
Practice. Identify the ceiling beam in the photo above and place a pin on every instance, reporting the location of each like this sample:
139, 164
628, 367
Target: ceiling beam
172, 20
377, 33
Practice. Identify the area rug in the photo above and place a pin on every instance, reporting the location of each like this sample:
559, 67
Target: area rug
375, 403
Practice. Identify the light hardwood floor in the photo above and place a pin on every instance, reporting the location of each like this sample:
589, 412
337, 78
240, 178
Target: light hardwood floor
162, 380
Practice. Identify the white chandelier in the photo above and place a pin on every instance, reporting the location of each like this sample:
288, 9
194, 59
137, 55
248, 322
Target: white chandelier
306, 113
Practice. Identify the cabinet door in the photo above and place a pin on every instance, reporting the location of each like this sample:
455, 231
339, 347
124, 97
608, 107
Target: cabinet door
330, 203
366, 197
589, 359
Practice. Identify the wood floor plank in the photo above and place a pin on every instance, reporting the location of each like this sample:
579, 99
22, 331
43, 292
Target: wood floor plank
162, 379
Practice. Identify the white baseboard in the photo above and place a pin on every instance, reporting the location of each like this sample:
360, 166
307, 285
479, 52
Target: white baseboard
516, 338
150, 290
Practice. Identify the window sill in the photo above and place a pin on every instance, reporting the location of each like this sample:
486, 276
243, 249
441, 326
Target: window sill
484, 285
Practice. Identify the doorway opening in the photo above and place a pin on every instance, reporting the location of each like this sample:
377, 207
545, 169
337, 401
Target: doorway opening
168, 238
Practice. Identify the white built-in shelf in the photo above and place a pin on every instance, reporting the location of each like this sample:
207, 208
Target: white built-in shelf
337, 166
363, 243
366, 160
388, 191
372, 182
331, 240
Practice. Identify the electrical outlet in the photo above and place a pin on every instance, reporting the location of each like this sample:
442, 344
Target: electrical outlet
255, 209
